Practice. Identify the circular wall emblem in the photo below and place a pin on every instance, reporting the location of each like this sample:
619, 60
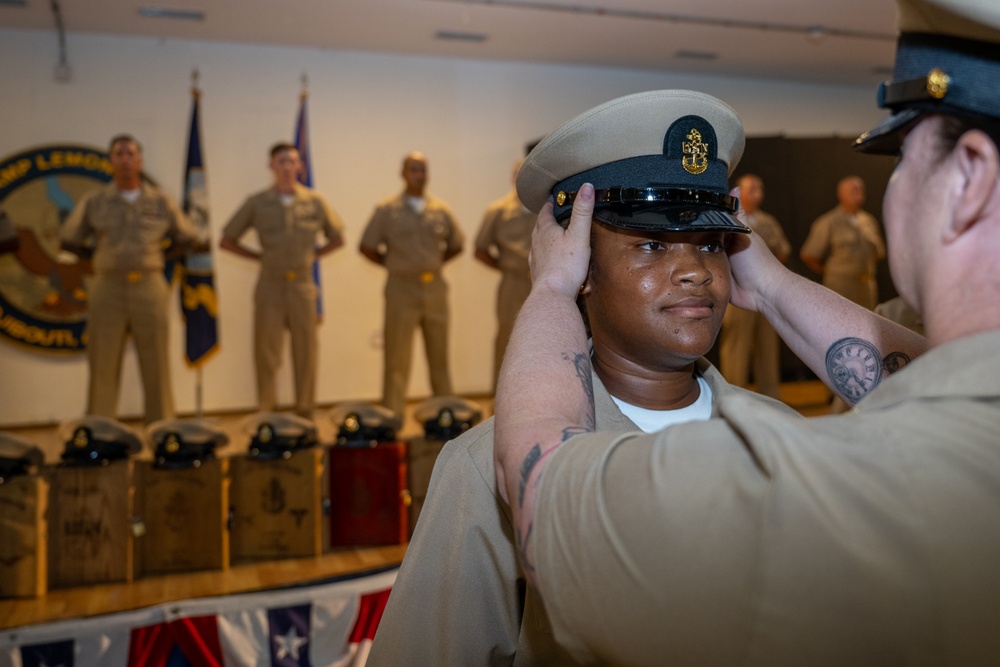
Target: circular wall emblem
43, 292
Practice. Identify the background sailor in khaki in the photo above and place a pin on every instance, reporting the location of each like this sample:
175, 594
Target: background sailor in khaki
287, 217
412, 235
844, 245
503, 243
126, 224
746, 336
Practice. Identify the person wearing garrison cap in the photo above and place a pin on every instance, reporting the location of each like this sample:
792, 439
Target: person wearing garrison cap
869, 537
655, 295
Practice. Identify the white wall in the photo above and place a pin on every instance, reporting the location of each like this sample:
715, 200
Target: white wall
471, 118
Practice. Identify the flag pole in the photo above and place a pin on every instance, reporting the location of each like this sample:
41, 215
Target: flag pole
198, 408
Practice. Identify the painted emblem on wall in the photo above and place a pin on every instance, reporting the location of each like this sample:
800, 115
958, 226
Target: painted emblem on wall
43, 292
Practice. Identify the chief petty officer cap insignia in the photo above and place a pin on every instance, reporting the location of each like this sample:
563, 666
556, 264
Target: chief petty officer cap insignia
94, 440
659, 161
184, 443
275, 435
447, 417
364, 424
18, 456
948, 62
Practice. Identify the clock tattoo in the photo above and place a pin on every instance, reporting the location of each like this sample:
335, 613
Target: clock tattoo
854, 367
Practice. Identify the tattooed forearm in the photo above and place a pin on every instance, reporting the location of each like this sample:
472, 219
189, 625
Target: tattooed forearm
581, 362
855, 368
530, 460
895, 361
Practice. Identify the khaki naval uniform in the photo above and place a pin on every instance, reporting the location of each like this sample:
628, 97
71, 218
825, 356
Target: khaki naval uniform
506, 230
285, 297
460, 596
869, 538
747, 335
129, 291
414, 245
848, 246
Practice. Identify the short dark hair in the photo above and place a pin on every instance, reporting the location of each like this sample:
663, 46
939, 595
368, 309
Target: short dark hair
118, 138
953, 127
282, 146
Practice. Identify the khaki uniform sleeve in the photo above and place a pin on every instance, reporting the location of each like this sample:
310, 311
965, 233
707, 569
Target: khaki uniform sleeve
630, 528
486, 238
374, 234
182, 229
455, 239
454, 602
333, 226
240, 222
817, 243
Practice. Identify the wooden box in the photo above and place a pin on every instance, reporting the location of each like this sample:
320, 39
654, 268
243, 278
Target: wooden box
90, 524
23, 537
184, 515
422, 454
368, 496
276, 506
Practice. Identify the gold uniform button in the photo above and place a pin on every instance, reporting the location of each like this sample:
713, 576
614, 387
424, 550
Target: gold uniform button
426, 277
133, 276
291, 275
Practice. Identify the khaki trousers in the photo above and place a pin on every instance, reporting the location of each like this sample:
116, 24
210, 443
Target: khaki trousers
281, 305
747, 336
121, 303
409, 303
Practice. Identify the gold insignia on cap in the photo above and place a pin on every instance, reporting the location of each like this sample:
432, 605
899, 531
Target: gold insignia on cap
695, 160
172, 445
561, 198
80, 438
446, 419
937, 83
266, 433
351, 424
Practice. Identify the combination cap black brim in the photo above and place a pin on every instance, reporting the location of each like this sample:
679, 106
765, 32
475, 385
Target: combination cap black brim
671, 219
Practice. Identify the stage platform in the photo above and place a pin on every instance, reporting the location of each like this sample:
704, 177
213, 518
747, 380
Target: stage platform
809, 398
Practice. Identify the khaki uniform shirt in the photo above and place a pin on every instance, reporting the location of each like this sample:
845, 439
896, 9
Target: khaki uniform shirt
287, 233
128, 237
414, 243
507, 226
869, 538
849, 247
770, 231
460, 596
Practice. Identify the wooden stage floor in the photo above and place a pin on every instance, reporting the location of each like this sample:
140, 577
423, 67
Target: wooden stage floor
809, 398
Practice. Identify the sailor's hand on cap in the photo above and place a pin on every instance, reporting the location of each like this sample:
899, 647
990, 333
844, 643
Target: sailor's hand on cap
560, 258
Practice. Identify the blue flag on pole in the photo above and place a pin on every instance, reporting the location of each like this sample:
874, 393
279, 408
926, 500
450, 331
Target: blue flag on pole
199, 304
305, 178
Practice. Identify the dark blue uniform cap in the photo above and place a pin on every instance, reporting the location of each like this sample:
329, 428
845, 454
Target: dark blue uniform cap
18, 456
364, 424
94, 440
947, 62
447, 417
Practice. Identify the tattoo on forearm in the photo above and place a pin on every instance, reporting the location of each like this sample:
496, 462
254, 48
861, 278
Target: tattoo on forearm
530, 460
581, 362
895, 361
570, 431
855, 367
